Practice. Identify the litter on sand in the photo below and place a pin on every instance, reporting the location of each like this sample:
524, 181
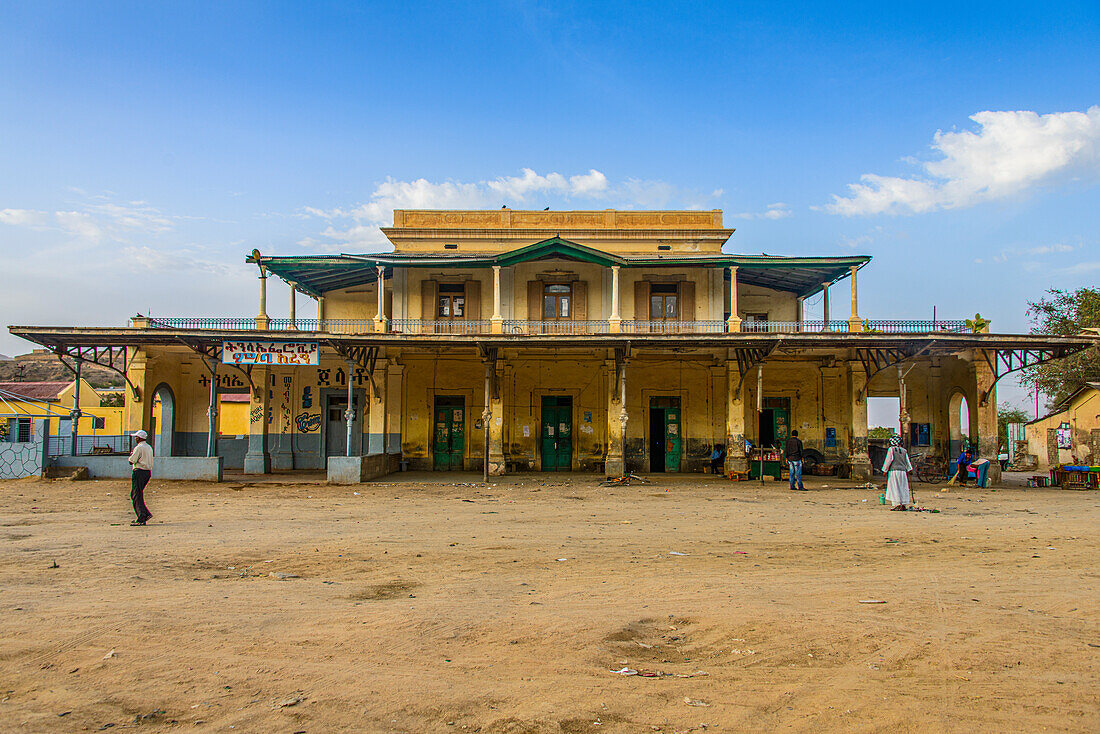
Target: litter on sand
872, 601
695, 701
109, 655
677, 553
625, 671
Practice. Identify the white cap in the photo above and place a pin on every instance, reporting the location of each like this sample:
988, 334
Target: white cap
141, 434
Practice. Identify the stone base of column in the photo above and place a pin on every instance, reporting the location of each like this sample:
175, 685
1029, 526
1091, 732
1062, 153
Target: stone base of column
496, 325
380, 326
496, 465
855, 325
615, 325
614, 466
263, 322
861, 468
282, 461
257, 463
733, 325
737, 463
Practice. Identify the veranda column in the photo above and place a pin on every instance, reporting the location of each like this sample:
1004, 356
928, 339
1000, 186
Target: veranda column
857, 446
262, 320
293, 307
615, 464
376, 422
496, 322
988, 439
733, 324
380, 319
615, 322
74, 414
349, 412
257, 460
736, 460
394, 413
939, 412
825, 305
496, 409
854, 323
212, 409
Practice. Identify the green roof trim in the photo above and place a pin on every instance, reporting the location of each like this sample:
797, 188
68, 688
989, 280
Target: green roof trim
318, 274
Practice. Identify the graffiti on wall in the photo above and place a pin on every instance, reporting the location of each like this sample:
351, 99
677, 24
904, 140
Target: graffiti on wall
307, 422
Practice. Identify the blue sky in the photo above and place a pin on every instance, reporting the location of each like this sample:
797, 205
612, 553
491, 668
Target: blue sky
146, 147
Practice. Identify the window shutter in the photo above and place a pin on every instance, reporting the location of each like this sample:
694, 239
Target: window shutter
641, 300
429, 296
580, 300
687, 300
473, 300
534, 300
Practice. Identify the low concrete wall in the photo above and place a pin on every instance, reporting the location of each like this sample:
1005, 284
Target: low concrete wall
193, 468
356, 469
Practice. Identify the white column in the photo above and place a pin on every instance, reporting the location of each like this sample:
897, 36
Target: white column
825, 298
615, 321
496, 322
262, 321
854, 322
380, 319
733, 325
293, 307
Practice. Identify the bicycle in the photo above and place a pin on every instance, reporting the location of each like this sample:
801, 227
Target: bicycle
930, 469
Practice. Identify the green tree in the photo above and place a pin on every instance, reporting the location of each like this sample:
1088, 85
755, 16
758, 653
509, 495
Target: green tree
1065, 313
1007, 414
880, 432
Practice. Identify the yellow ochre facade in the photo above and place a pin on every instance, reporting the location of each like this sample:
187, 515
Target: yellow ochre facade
597, 341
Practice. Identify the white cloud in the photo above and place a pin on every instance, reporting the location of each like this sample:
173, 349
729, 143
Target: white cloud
778, 210
24, 218
1010, 152
1018, 252
95, 221
359, 225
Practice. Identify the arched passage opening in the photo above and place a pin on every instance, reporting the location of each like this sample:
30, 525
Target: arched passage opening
163, 423
959, 422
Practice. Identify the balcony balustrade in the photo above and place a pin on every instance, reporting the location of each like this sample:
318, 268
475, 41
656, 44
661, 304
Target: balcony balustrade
420, 327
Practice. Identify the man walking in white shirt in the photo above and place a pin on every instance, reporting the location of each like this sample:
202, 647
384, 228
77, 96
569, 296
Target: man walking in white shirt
142, 460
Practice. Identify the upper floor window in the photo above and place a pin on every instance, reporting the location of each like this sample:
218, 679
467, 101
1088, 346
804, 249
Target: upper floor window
664, 302
451, 301
557, 301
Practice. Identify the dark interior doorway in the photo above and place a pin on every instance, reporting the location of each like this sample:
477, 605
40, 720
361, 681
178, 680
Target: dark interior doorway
664, 434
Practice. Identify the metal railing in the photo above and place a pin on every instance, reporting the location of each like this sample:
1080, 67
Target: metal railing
89, 445
915, 327
674, 327
517, 326
442, 326
203, 323
792, 327
563, 327
327, 326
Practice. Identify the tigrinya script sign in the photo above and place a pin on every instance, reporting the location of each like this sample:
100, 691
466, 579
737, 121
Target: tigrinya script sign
273, 353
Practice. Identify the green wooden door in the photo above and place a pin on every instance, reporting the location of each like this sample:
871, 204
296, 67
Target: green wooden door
449, 443
557, 433
780, 419
672, 439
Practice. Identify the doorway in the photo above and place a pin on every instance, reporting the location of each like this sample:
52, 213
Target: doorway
449, 442
336, 425
664, 434
557, 433
775, 422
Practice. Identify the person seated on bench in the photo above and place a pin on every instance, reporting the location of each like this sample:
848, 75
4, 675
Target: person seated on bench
717, 458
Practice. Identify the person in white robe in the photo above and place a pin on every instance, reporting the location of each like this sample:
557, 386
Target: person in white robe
897, 467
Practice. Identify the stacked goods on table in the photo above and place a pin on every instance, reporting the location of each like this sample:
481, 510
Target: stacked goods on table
1075, 477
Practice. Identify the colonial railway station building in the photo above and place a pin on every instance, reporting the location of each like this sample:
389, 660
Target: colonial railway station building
589, 341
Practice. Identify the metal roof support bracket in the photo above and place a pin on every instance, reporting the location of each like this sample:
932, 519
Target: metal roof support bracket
101, 356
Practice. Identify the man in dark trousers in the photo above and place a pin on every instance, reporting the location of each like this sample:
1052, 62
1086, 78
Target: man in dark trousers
142, 460
793, 450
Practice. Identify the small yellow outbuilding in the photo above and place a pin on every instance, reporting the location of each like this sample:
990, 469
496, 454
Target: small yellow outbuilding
1071, 435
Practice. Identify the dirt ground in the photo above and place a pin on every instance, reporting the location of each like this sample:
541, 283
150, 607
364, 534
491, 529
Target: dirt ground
419, 605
